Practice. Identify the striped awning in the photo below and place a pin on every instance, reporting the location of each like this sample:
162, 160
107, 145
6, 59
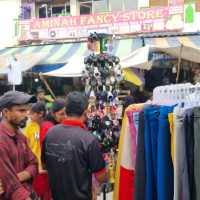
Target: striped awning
61, 53
174, 41
57, 55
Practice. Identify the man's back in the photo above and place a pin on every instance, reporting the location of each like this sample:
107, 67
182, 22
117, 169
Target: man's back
71, 155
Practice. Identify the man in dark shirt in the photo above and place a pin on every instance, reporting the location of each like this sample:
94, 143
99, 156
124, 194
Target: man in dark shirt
18, 165
71, 154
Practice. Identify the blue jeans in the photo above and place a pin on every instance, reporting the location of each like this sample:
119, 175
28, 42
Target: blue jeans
151, 133
165, 177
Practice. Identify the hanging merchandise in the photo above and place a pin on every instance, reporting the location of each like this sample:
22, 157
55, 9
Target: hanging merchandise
14, 72
101, 78
159, 147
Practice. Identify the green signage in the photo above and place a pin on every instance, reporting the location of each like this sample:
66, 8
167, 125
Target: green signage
189, 13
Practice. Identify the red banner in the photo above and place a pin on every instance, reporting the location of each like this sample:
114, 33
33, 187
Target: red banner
147, 20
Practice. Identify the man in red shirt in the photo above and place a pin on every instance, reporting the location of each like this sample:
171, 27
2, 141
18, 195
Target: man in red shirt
71, 154
18, 165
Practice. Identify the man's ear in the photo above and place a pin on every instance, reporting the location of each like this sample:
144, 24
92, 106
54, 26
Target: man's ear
5, 111
41, 113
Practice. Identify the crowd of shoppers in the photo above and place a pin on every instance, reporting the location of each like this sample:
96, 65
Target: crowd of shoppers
53, 156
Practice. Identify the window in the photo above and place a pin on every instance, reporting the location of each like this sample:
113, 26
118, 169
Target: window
25, 12
85, 7
116, 5
93, 6
46, 10
100, 6
131, 5
60, 10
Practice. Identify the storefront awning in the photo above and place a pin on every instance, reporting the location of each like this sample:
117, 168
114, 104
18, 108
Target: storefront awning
73, 68
61, 53
174, 41
27, 61
185, 47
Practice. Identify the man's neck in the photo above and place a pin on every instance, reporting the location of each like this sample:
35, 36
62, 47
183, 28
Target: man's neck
10, 126
70, 118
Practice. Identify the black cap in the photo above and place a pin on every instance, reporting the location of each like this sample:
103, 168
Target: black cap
58, 105
11, 98
38, 107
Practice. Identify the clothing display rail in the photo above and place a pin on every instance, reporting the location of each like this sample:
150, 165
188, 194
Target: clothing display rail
159, 147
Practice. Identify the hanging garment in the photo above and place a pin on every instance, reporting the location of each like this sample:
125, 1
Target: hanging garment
189, 137
197, 152
140, 168
136, 122
133, 132
124, 182
164, 161
171, 123
181, 184
151, 134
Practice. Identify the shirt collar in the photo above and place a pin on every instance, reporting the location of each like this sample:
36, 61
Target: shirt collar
7, 130
74, 123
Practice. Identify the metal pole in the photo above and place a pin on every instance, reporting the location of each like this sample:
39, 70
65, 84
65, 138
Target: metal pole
104, 192
46, 6
13, 88
179, 64
92, 6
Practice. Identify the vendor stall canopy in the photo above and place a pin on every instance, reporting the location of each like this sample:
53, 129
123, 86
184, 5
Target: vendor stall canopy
54, 56
185, 47
65, 60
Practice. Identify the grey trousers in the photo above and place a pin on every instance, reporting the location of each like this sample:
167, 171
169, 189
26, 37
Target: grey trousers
197, 152
181, 182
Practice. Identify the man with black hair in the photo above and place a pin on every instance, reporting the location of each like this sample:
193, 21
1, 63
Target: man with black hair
55, 116
18, 165
71, 154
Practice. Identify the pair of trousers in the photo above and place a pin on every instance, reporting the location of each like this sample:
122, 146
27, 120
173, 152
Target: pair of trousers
164, 162
140, 167
136, 120
197, 152
189, 137
151, 134
171, 123
181, 183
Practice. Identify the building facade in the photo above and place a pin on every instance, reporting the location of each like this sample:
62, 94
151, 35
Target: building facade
9, 12
18, 13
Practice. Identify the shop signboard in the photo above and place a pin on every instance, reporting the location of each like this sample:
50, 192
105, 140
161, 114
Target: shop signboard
139, 21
